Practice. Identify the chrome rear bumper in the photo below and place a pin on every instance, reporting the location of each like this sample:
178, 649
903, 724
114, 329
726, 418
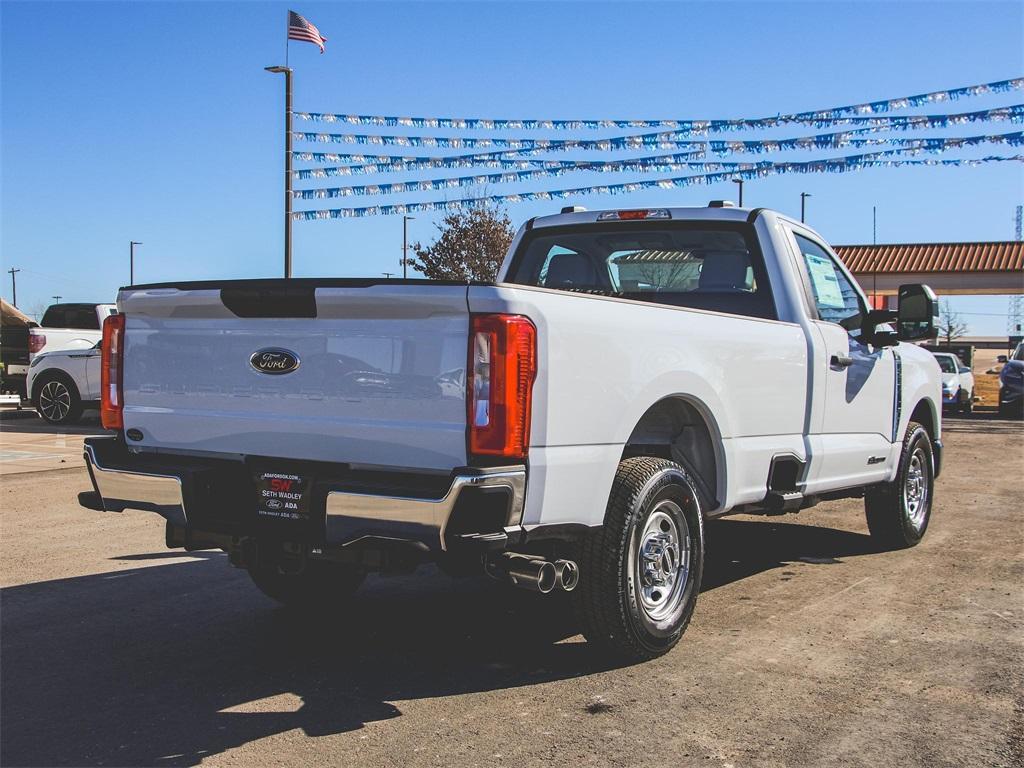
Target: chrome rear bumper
348, 515
121, 489
432, 514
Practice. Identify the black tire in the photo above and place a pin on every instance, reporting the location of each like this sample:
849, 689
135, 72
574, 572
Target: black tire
1010, 410
318, 585
57, 399
898, 520
967, 403
617, 616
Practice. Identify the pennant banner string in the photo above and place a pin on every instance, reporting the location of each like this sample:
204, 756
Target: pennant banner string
838, 165
394, 164
464, 161
820, 118
658, 164
510, 177
663, 139
468, 161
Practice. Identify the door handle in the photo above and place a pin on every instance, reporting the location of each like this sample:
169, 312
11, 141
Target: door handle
841, 361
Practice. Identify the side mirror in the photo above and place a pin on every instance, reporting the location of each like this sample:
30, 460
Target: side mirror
1002, 359
918, 314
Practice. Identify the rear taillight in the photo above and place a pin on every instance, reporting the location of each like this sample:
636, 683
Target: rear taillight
502, 367
36, 341
112, 373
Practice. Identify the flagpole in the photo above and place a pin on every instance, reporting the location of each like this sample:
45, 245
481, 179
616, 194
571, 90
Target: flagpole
287, 165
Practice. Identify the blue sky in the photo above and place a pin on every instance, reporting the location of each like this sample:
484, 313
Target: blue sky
156, 121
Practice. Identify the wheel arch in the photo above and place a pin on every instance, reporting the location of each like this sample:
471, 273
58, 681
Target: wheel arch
49, 374
682, 428
924, 414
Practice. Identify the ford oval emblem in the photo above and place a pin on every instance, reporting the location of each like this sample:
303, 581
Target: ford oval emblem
274, 361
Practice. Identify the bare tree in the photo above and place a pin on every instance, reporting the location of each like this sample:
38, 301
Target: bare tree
951, 324
664, 270
36, 310
471, 245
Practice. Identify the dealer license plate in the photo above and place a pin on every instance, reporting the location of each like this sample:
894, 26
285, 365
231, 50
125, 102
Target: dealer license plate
282, 496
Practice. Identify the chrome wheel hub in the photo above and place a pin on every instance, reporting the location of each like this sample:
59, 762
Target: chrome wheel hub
663, 561
54, 401
915, 488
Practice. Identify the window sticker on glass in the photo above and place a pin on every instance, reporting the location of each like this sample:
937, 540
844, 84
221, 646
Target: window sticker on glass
825, 281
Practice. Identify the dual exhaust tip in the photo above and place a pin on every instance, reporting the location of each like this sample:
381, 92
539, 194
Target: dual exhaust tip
535, 573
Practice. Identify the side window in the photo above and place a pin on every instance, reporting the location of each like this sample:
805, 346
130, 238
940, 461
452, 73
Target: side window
834, 296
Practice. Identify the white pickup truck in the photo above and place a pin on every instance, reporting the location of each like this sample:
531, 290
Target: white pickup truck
69, 326
571, 426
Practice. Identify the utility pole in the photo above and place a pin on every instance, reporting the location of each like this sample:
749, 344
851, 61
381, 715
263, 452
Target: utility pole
14, 287
131, 261
803, 205
874, 260
404, 246
287, 72
56, 299
387, 275
740, 182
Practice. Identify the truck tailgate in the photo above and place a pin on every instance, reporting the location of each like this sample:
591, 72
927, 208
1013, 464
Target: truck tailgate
379, 380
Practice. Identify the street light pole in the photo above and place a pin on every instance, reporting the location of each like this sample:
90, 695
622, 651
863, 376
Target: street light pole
14, 286
803, 204
740, 182
131, 261
287, 165
405, 246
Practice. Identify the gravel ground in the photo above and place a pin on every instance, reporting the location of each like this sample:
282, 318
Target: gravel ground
808, 648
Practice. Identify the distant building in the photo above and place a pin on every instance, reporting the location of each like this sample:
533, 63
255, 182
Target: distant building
951, 269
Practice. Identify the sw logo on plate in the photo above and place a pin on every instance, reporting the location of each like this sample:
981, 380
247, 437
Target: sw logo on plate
274, 361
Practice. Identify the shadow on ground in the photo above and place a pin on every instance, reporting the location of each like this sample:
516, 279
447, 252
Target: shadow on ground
166, 664
28, 422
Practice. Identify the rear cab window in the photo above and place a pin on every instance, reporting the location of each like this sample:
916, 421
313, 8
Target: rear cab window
78, 316
715, 266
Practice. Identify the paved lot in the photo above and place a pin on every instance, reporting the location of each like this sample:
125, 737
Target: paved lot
29, 444
808, 648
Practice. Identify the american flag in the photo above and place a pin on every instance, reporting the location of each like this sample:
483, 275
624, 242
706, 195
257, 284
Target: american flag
300, 29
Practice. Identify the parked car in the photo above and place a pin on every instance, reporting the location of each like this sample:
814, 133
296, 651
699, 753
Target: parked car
1011, 384
957, 383
69, 326
63, 384
629, 375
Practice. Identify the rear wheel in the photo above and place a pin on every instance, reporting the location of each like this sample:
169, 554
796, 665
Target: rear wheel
309, 585
898, 512
640, 572
57, 400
